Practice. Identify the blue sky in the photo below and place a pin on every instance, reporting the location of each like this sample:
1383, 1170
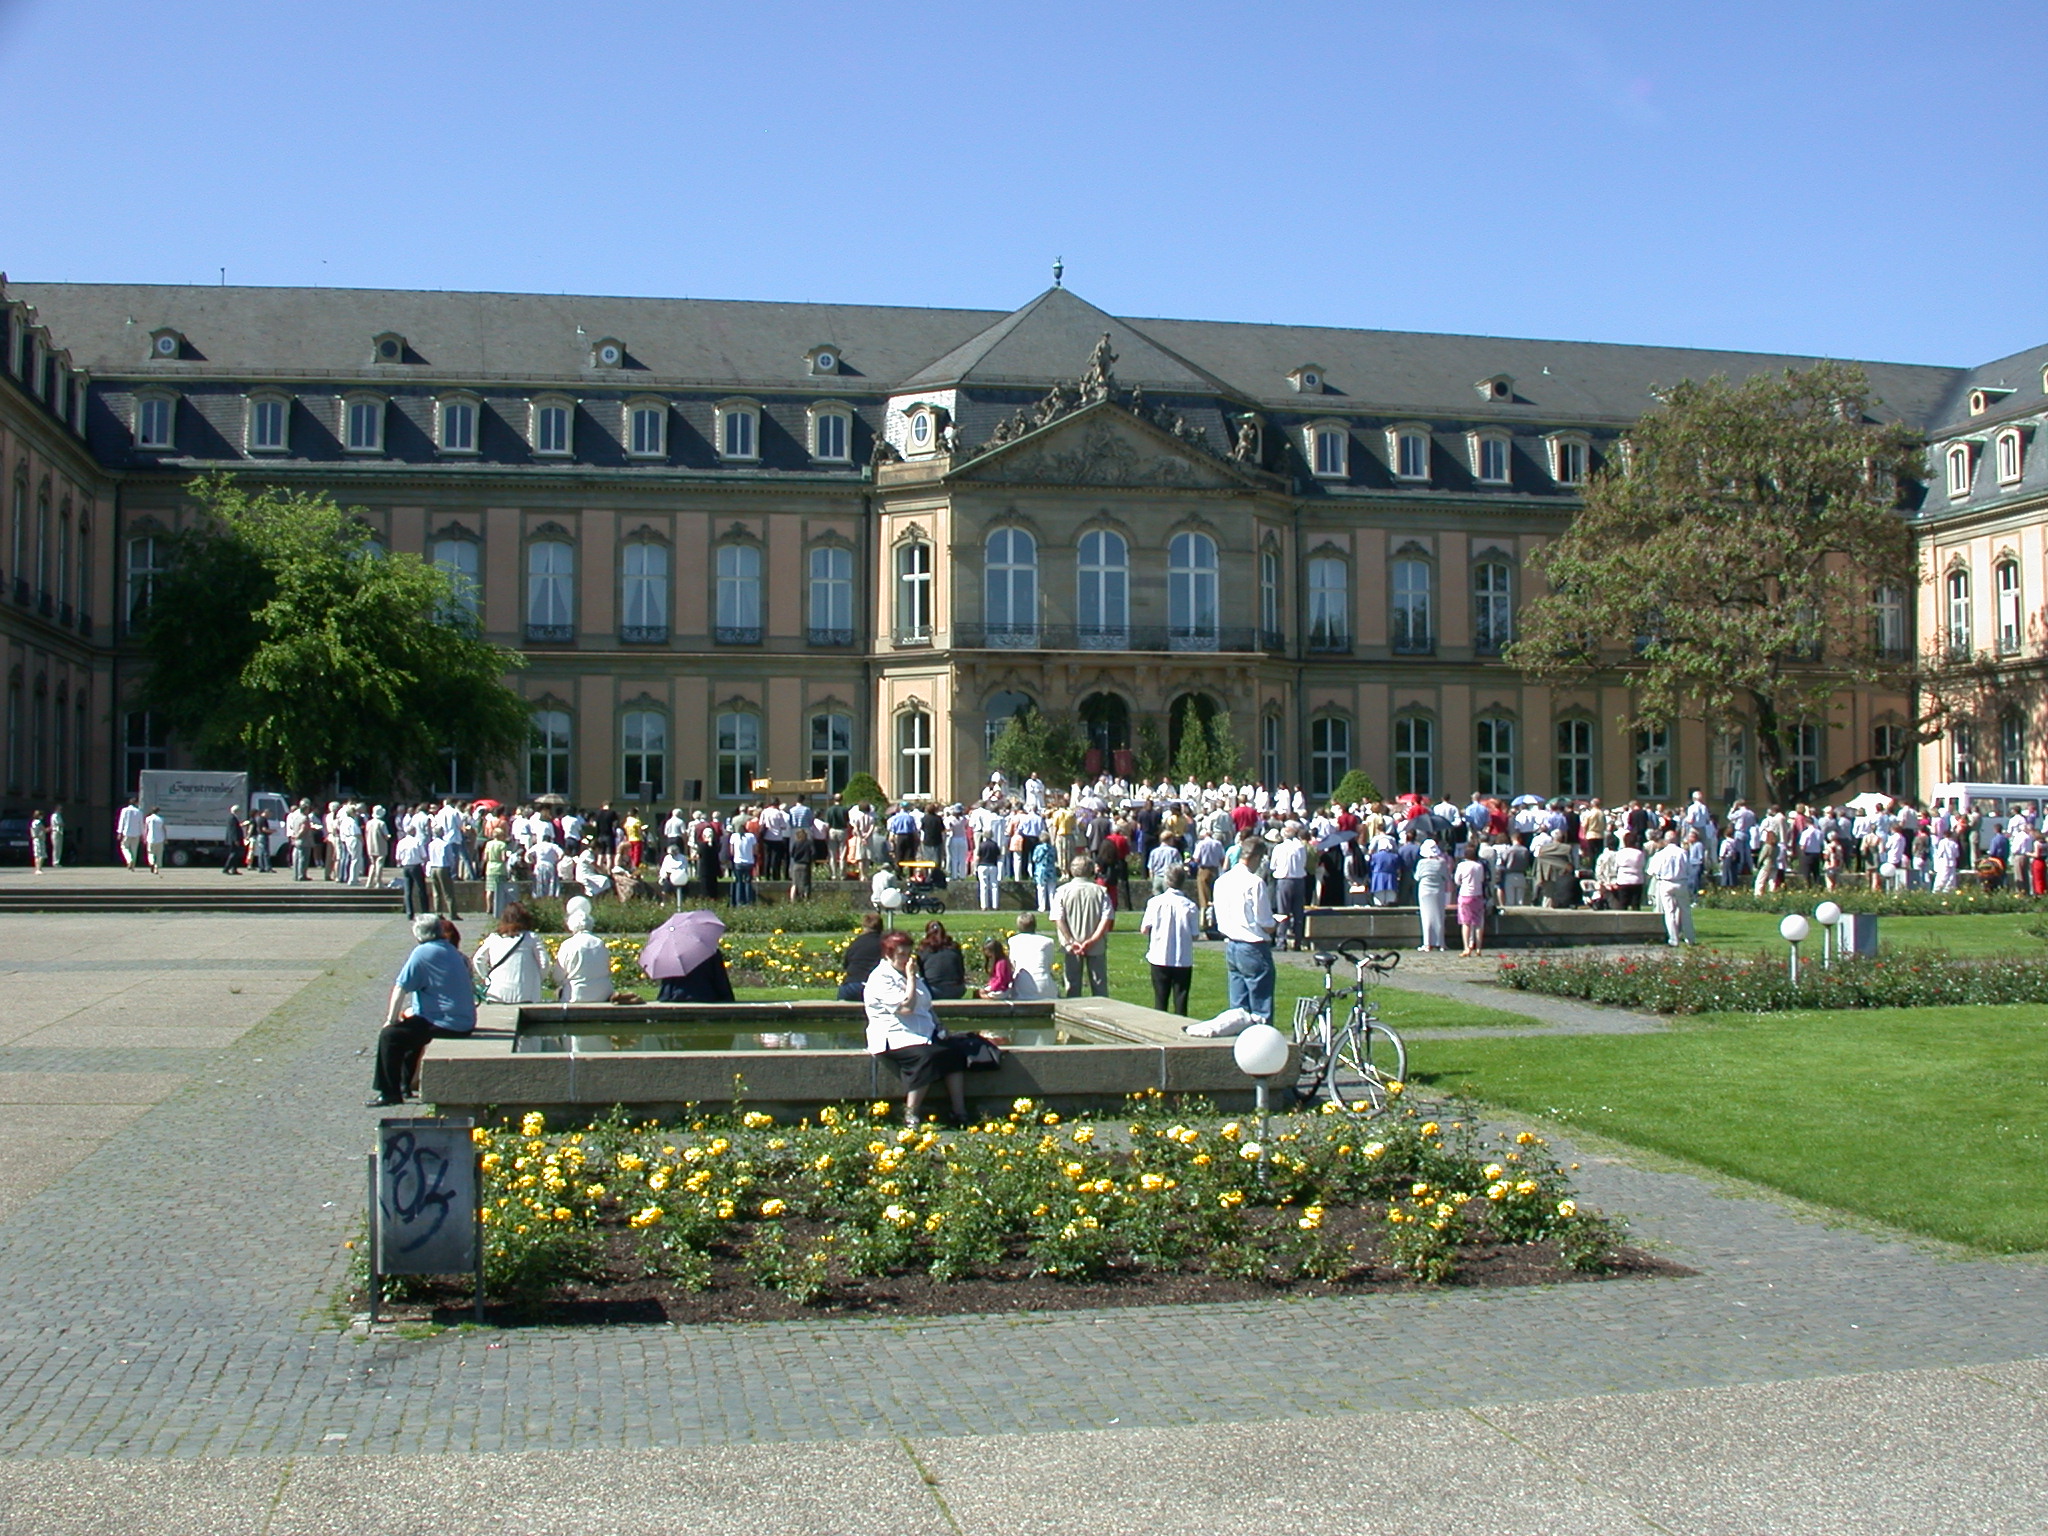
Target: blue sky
1859, 180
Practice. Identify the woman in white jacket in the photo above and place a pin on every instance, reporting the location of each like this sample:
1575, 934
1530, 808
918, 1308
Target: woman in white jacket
513, 963
1432, 870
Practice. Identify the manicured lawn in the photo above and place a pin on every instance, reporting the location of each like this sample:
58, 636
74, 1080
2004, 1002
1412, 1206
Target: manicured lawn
1130, 979
1984, 936
1929, 1119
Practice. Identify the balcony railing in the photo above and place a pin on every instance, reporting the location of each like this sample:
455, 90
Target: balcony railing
828, 637
1128, 637
910, 634
737, 634
643, 634
550, 634
1413, 643
1327, 643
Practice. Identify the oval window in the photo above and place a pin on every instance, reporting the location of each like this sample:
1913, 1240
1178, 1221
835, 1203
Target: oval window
921, 427
608, 355
1309, 381
388, 349
827, 362
166, 346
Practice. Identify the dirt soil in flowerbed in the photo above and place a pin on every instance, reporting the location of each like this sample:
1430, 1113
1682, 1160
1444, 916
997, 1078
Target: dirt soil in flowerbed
625, 1294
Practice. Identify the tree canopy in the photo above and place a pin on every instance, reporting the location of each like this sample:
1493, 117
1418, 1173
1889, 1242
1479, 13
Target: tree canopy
1733, 562
1031, 743
284, 641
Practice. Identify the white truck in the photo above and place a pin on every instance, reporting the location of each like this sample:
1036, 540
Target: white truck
195, 804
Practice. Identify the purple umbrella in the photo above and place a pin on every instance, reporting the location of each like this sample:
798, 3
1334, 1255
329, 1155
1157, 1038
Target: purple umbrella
681, 944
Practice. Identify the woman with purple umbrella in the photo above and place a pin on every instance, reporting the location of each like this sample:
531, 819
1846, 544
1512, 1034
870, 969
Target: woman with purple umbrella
682, 954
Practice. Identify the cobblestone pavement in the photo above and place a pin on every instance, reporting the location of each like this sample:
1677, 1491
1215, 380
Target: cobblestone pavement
169, 1297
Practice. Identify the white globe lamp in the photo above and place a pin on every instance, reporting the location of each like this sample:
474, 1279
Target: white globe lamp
1827, 914
1260, 1052
1794, 930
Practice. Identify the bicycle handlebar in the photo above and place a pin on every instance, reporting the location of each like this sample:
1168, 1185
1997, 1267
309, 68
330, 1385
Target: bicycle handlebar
1383, 960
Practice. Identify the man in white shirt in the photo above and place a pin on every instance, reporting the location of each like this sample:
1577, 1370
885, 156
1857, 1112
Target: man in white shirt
741, 848
1031, 955
1671, 890
1291, 881
1170, 923
129, 829
154, 834
1244, 913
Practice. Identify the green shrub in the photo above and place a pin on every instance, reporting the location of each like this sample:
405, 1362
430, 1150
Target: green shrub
831, 913
1804, 898
863, 789
1704, 981
1355, 786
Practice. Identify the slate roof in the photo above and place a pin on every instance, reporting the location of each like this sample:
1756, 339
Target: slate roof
2020, 373
732, 345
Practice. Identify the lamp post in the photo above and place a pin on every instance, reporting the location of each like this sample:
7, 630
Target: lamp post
1828, 914
1794, 930
1260, 1053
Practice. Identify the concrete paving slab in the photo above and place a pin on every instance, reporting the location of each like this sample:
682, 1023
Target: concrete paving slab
119, 1037
1390, 1475
1921, 1451
58, 1088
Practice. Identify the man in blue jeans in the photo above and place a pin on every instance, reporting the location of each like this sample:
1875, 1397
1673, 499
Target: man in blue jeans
1244, 913
436, 977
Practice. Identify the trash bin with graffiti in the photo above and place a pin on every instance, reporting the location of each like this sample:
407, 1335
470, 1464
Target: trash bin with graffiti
424, 1205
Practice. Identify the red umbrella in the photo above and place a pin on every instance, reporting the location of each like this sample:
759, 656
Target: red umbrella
682, 944
487, 805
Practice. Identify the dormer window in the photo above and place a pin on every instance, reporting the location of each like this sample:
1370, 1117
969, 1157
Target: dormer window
1960, 456
387, 347
608, 352
831, 432
362, 424
166, 345
2012, 456
823, 359
1408, 453
647, 429
1329, 450
1569, 458
551, 425
267, 429
156, 418
1307, 379
1498, 387
1490, 462
1984, 398
739, 430
923, 428
456, 430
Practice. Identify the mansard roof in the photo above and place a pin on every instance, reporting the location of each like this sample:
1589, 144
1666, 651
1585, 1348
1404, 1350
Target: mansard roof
2019, 385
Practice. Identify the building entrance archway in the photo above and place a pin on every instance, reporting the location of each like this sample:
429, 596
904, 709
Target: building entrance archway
1106, 723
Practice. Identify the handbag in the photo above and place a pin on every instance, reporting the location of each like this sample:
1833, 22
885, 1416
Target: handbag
983, 1054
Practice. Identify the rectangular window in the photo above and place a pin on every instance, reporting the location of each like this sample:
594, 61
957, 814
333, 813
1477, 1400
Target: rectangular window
266, 425
551, 429
1888, 613
1731, 764
644, 581
458, 427
365, 426
832, 750
643, 760
1411, 617
739, 753
1411, 456
649, 431
1493, 619
1414, 755
153, 422
914, 753
1806, 754
831, 441
1329, 605
2009, 622
1889, 741
831, 615
1962, 749
1653, 765
547, 754
1494, 756
1959, 637
1269, 595
913, 593
143, 746
550, 591
1571, 463
457, 558
739, 435
738, 617
1330, 445
1329, 754
2012, 749
1270, 729
145, 564
1575, 758
1493, 460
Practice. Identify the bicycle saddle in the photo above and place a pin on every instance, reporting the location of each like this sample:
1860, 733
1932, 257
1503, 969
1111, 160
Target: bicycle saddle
1324, 958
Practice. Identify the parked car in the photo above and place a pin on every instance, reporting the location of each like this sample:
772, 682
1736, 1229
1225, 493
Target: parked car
14, 840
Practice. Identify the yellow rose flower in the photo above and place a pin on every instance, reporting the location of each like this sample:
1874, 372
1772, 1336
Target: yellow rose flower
1230, 1199
1430, 1128
646, 1216
754, 1120
1493, 1170
1567, 1209
773, 1208
532, 1123
1201, 1159
1231, 1131
1083, 1134
1251, 1151
879, 1109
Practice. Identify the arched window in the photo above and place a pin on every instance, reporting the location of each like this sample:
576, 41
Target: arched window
1191, 592
550, 591
1653, 764
2006, 577
1575, 758
738, 620
2012, 748
831, 617
457, 558
914, 753
643, 574
1959, 470
1103, 603
547, 753
739, 752
832, 750
1329, 754
1493, 612
2011, 457
1329, 604
913, 593
1959, 612
643, 756
1010, 610
1493, 755
1414, 755
1414, 632
1002, 709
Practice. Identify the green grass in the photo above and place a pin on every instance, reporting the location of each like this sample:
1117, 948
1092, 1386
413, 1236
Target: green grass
1974, 936
1130, 979
1927, 1119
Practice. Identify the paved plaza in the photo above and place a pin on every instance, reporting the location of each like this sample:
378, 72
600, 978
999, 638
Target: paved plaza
180, 1106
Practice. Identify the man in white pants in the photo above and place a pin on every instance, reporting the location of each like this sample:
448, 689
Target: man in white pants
1671, 890
154, 834
129, 829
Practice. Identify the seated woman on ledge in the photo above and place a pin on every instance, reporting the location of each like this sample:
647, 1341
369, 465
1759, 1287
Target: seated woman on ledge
903, 1031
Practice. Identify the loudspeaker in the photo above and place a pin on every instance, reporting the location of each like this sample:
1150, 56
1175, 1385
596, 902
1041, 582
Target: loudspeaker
691, 791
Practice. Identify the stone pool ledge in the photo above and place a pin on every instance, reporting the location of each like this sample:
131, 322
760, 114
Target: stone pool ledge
1144, 1049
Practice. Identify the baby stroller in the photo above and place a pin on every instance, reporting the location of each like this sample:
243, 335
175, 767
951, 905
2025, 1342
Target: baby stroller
923, 881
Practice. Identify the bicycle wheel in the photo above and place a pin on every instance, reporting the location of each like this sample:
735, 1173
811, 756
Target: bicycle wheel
1368, 1056
1312, 1040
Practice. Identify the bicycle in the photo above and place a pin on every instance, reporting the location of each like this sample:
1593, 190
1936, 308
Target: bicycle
1357, 1060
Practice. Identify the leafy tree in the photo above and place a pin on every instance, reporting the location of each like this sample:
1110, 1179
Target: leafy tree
1030, 742
1151, 756
1226, 752
1355, 786
1741, 537
863, 789
1192, 760
283, 642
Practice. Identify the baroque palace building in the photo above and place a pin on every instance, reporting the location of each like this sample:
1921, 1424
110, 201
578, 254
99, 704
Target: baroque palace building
739, 539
